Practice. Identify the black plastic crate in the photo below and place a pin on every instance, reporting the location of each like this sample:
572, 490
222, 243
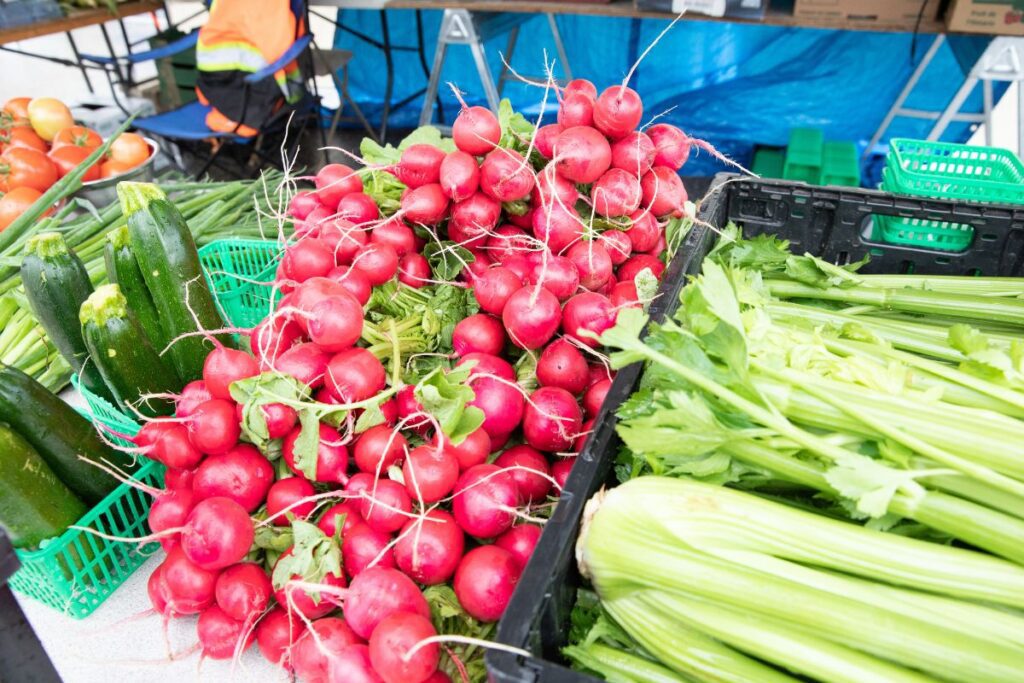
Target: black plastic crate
830, 222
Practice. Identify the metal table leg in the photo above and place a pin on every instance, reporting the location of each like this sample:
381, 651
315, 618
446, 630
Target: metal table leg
559, 46
78, 58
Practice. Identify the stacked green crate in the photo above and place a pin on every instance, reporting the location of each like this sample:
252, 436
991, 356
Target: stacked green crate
840, 165
804, 155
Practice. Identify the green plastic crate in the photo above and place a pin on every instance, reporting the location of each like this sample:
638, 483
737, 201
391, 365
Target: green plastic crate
949, 171
769, 162
240, 273
804, 155
75, 572
840, 165
116, 421
913, 232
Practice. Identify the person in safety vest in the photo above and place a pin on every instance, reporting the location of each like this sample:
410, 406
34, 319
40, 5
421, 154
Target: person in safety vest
240, 38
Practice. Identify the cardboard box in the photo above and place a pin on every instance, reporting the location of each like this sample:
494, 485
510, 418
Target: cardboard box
867, 13
744, 9
999, 17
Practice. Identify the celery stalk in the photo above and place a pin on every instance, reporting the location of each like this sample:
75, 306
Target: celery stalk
616, 666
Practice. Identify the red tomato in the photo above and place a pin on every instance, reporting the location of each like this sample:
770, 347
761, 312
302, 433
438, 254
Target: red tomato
130, 149
66, 158
77, 136
17, 108
22, 136
27, 168
111, 168
15, 203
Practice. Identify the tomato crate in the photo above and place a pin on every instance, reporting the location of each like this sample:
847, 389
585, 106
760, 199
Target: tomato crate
835, 223
240, 274
76, 571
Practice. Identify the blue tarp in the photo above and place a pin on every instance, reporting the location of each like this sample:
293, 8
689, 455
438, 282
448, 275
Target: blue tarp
735, 85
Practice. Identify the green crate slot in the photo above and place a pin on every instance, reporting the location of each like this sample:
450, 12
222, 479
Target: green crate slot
804, 155
240, 273
102, 411
912, 232
840, 165
76, 571
949, 171
768, 162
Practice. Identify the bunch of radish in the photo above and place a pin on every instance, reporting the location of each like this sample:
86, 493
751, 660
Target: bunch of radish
328, 561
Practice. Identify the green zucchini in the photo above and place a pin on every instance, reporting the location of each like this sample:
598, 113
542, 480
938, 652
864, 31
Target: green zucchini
123, 271
34, 504
56, 283
170, 265
64, 439
130, 365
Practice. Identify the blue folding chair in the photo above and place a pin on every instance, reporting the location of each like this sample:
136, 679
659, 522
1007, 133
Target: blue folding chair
186, 126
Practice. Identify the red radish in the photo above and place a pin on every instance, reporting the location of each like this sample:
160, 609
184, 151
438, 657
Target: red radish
531, 317
280, 419
307, 258
178, 480
473, 450
363, 547
639, 262
305, 362
544, 138
624, 295
243, 591
389, 409
520, 540
663, 190
354, 281
576, 109
475, 216
552, 419
284, 494
242, 474
581, 440
378, 262
352, 665
396, 234
644, 231
391, 649
634, 154
187, 587
378, 448
616, 193
552, 188
562, 365
276, 633
529, 470
314, 219
336, 323
506, 241
427, 204
560, 470
157, 592
478, 266
501, 403
430, 473
500, 441
221, 636
213, 428
314, 653
557, 227
169, 443
355, 375
376, 594
420, 165
520, 264
460, 175
658, 249
385, 506
580, 85
359, 208
409, 406
310, 293
302, 204
595, 395
606, 288
618, 111
590, 312
557, 274
169, 511
486, 364
617, 244
272, 337
191, 396
334, 181
582, 154
485, 580
493, 289
485, 500
331, 465
672, 145
298, 600
218, 533
430, 547
332, 517
506, 176
476, 131
344, 239
480, 333
593, 263
599, 372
